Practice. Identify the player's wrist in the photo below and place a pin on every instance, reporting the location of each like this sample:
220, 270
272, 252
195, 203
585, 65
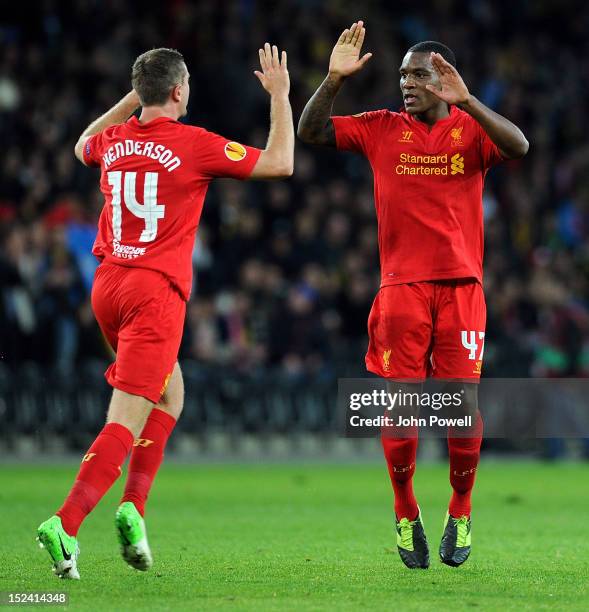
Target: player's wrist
133, 99
467, 102
279, 95
337, 78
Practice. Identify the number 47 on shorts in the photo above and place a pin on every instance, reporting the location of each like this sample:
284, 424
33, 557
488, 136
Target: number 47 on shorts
474, 343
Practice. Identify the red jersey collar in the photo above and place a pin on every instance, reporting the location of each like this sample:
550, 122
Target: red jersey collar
454, 112
135, 123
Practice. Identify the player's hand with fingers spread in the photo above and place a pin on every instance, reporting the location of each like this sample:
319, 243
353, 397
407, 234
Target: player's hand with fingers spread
345, 57
274, 76
453, 89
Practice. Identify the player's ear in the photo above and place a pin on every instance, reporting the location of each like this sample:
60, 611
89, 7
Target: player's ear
177, 93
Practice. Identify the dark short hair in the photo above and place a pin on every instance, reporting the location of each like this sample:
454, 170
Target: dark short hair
428, 46
155, 73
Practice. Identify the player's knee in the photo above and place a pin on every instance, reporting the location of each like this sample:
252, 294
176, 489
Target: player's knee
130, 411
405, 398
172, 400
172, 406
468, 392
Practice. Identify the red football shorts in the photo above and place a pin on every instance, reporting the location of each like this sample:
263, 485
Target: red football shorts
142, 317
434, 328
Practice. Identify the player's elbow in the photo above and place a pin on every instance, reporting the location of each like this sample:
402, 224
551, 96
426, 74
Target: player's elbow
274, 164
281, 166
316, 136
79, 150
306, 135
518, 150
284, 170
523, 148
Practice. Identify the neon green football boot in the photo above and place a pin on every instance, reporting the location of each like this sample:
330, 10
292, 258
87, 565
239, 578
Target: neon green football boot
133, 537
62, 548
456, 540
412, 543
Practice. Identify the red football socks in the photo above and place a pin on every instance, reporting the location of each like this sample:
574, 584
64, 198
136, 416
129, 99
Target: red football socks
464, 458
101, 466
400, 453
147, 455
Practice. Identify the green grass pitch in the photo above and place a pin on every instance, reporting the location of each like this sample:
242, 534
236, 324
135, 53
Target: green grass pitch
310, 537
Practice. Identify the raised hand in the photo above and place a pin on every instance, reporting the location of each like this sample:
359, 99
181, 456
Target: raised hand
453, 91
345, 57
274, 76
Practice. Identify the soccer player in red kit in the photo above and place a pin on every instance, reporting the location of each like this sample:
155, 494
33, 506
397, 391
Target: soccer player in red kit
429, 162
155, 173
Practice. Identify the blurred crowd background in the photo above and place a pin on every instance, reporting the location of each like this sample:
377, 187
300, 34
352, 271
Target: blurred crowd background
286, 271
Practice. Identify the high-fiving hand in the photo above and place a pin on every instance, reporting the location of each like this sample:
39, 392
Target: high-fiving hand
345, 57
274, 76
454, 90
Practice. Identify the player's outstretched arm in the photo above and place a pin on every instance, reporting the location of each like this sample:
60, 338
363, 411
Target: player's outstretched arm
119, 113
315, 125
277, 159
509, 139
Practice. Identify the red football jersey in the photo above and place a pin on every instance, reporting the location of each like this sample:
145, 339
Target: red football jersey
154, 178
428, 188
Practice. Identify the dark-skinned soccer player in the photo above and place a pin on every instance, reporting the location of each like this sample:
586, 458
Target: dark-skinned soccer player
429, 162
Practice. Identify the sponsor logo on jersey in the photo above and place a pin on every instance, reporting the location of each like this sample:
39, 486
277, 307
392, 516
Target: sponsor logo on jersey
386, 359
235, 151
125, 251
406, 136
457, 164
144, 442
87, 457
456, 135
430, 165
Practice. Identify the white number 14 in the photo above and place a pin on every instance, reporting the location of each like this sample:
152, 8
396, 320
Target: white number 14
150, 211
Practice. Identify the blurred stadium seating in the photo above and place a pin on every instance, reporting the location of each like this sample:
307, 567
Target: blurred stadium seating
286, 271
